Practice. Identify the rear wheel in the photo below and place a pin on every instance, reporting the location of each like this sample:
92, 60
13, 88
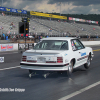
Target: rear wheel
87, 64
70, 68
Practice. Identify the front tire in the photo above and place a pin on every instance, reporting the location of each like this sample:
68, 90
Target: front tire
87, 64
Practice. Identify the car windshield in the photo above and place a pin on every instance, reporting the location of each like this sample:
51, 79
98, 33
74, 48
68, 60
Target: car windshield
51, 45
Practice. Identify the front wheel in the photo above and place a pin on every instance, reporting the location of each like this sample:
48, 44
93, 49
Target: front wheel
70, 68
87, 64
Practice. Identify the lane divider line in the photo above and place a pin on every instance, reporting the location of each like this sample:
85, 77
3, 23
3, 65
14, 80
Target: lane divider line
8, 53
9, 68
80, 91
97, 50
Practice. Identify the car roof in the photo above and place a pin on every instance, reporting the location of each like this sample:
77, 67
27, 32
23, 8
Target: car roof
58, 38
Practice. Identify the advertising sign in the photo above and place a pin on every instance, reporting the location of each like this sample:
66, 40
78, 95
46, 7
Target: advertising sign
47, 15
70, 18
1, 59
22, 46
2, 8
83, 20
6, 47
13, 10
28, 46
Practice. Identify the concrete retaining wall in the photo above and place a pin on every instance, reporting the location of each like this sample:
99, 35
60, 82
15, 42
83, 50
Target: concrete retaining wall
14, 46
91, 43
9, 47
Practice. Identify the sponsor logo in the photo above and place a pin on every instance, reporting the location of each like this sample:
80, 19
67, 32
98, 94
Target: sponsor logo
1, 59
24, 11
13, 10
83, 54
19, 11
6, 47
2, 8
8, 9
82, 58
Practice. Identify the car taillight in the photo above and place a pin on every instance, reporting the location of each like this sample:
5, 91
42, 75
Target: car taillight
23, 58
59, 60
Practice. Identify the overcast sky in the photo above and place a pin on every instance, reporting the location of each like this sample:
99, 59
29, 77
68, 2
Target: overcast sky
63, 6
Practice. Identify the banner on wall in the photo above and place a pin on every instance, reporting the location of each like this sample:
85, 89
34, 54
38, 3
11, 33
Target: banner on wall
6, 47
70, 18
47, 15
13, 10
82, 20
21, 46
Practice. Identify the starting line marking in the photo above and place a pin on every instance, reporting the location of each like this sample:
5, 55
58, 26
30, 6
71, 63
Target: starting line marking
80, 91
9, 68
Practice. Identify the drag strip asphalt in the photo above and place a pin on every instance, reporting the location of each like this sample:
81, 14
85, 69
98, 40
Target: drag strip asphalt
82, 85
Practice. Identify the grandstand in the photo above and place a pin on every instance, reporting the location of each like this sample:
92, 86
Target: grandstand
48, 27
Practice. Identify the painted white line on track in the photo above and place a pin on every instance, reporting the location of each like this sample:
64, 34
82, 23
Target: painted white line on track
80, 91
9, 68
8, 53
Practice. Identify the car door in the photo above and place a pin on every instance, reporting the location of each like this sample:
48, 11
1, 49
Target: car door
79, 51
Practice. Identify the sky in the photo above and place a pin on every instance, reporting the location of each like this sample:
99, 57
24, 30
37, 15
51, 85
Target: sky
58, 6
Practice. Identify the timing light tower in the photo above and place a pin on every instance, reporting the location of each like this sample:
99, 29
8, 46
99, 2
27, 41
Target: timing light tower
24, 27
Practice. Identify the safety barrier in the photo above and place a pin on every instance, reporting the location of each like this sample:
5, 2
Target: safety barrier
21, 46
91, 43
8, 47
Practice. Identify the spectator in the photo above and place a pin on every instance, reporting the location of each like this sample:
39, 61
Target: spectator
77, 31
3, 36
82, 29
65, 34
33, 28
3, 14
93, 28
50, 29
0, 37
11, 24
10, 27
0, 27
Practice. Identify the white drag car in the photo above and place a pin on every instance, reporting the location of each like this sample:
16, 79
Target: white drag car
57, 54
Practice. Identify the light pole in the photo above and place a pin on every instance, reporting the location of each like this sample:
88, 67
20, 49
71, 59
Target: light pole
2, 3
60, 8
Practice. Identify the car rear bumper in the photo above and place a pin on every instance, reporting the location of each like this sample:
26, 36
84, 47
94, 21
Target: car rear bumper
45, 67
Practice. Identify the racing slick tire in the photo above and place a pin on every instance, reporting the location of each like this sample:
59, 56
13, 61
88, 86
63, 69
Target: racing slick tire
87, 64
70, 68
